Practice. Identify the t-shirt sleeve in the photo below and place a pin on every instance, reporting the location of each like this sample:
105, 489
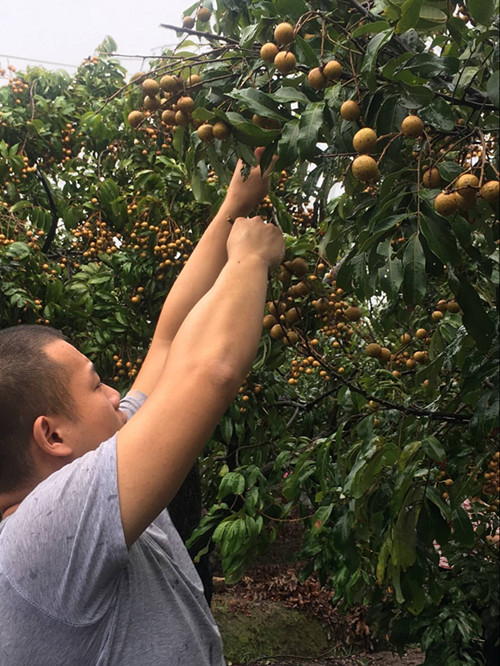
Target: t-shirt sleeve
63, 549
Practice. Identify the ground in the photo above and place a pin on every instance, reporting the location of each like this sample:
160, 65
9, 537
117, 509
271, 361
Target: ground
271, 618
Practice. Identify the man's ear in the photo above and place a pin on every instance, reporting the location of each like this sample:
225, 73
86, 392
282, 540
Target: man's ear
48, 434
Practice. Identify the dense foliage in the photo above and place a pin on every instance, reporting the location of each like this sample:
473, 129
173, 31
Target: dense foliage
371, 412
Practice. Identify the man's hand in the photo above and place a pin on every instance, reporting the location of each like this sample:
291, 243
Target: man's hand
252, 236
244, 194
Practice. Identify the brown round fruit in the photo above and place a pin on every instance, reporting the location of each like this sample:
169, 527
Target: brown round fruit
446, 203
268, 52
205, 132
316, 79
276, 332
150, 87
151, 103
285, 62
138, 77
269, 321
431, 178
468, 182
181, 118
188, 22
332, 70
350, 110
186, 104
453, 307
437, 315
204, 14
221, 131
193, 80
364, 141
266, 123
365, 169
420, 333
299, 266
373, 350
169, 83
135, 118
385, 355
412, 127
168, 117
466, 199
353, 313
490, 191
283, 33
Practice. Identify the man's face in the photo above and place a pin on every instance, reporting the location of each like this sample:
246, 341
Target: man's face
98, 416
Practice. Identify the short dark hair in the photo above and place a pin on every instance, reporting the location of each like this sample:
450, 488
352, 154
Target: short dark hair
31, 384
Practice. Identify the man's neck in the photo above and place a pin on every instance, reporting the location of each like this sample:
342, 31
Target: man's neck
8, 512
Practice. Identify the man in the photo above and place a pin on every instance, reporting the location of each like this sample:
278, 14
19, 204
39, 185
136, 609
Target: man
91, 568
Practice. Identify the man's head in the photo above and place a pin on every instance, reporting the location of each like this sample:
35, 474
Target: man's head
53, 407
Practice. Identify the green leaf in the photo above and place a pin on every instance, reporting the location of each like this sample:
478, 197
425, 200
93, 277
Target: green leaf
432, 14
371, 28
440, 237
463, 530
310, 124
482, 11
287, 146
439, 114
305, 53
410, 13
492, 88
369, 66
433, 448
259, 102
475, 317
414, 277
390, 277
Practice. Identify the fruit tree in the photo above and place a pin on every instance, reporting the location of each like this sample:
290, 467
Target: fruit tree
370, 415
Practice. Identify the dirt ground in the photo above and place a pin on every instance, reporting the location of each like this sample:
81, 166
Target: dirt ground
270, 618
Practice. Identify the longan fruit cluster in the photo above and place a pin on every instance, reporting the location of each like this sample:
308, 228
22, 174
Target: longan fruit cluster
247, 391
305, 367
93, 237
125, 367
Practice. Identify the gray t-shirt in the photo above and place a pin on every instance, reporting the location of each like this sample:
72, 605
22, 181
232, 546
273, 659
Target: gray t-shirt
71, 592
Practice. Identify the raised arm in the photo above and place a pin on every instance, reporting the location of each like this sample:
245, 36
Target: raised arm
202, 269
209, 357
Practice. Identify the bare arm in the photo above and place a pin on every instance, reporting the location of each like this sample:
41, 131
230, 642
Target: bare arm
209, 357
201, 270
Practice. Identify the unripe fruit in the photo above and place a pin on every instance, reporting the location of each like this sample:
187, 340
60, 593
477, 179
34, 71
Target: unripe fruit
446, 203
285, 62
365, 169
373, 350
150, 87
276, 332
283, 33
316, 79
364, 141
188, 22
412, 127
420, 333
350, 110
332, 70
221, 131
168, 117
431, 178
138, 77
353, 313
204, 14
205, 132
135, 118
490, 191
186, 104
268, 52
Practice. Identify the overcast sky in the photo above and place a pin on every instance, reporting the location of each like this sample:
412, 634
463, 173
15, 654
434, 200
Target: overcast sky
67, 31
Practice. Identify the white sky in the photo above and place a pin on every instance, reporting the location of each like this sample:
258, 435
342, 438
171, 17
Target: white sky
67, 31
